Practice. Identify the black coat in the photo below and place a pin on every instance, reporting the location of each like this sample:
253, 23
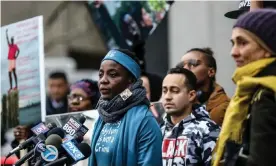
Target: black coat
50, 110
260, 133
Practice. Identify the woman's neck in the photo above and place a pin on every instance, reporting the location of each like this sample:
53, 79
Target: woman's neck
206, 86
206, 91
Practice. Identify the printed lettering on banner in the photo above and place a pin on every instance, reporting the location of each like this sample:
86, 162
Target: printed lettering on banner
174, 150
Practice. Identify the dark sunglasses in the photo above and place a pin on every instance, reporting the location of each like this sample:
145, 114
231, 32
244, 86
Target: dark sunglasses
190, 63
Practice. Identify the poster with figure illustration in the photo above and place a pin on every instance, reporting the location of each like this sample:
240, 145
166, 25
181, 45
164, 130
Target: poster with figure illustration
22, 72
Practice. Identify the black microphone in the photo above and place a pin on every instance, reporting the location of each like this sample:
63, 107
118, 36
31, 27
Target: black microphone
73, 125
77, 138
53, 139
57, 131
82, 119
24, 158
52, 144
83, 129
39, 130
84, 148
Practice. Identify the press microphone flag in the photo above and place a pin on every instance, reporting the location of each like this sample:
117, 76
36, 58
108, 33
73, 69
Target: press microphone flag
72, 150
73, 125
39, 130
41, 148
84, 148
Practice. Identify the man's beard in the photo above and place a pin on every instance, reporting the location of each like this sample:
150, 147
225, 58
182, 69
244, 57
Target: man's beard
175, 112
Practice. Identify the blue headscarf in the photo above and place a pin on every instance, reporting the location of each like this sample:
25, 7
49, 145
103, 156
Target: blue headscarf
125, 61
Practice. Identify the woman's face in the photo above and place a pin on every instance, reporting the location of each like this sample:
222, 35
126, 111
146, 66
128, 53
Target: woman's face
146, 17
195, 62
113, 79
146, 84
78, 100
245, 49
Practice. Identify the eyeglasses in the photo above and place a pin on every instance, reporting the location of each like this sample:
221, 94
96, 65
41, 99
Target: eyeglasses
77, 98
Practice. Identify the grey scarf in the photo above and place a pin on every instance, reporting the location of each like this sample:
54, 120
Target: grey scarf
113, 110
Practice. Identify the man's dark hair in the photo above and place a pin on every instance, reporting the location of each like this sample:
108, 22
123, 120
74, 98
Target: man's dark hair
58, 75
132, 56
190, 77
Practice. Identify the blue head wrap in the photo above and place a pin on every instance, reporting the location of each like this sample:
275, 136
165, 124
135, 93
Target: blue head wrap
125, 61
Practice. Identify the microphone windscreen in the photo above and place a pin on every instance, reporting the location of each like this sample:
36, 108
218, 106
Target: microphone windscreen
57, 131
54, 140
85, 149
82, 119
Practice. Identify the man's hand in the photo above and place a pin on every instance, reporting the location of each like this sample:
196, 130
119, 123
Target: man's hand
21, 132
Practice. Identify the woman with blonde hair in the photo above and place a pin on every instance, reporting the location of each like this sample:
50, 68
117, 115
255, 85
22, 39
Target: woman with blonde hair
249, 129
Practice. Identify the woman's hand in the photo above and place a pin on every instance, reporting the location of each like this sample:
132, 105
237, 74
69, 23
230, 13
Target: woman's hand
21, 132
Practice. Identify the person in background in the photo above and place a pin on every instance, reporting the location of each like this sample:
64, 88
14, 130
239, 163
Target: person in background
244, 6
203, 64
249, 5
151, 82
58, 88
189, 135
248, 133
126, 132
153, 85
56, 103
84, 95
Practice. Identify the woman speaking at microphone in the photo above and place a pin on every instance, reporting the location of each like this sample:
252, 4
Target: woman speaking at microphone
126, 132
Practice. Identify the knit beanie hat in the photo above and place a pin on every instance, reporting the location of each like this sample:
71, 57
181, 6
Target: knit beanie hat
262, 23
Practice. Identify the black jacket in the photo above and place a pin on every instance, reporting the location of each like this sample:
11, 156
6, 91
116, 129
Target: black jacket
260, 132
50, 110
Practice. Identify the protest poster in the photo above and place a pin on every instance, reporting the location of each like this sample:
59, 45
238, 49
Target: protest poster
22, 73
122, 23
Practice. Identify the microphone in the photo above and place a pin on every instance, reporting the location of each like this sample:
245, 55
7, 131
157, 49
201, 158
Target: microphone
82, 119
69, 159
24, 158
57, 131
39, 130
50, 153
53, 140
77, 138
73, 125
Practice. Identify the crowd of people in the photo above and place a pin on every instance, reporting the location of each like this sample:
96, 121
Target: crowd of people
201, 125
